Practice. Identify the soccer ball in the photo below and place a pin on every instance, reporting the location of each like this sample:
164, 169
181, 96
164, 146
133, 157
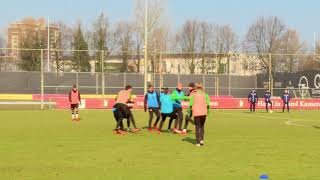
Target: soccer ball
270, 111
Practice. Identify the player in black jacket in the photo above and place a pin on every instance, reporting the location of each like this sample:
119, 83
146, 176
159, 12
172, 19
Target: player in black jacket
188, 118
267, 100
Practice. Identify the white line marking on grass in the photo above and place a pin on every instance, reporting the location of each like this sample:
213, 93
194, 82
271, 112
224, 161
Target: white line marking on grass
287, 120
290, 123
270, 117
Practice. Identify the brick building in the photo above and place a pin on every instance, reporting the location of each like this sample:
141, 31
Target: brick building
18, 30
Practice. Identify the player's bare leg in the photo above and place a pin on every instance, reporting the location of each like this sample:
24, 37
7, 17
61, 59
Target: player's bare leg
77, 118
73, 116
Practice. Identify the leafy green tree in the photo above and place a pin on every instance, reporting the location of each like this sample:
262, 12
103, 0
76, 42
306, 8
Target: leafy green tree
80, 55
31, 59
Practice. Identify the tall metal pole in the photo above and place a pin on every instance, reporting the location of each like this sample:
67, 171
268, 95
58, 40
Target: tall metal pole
102, 73
161, 72
42, 78
77, 79
48, 46
217, 86
97, 83
204, 81
270, 73
124, 79
146, 47
154, 69
314, 48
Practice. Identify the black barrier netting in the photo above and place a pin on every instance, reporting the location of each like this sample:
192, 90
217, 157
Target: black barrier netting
297, 81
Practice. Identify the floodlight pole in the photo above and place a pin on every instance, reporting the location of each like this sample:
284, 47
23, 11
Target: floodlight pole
314, 48
146, 47
217, 86
161, 72
42, 78
102, 73
48, 46
270, 73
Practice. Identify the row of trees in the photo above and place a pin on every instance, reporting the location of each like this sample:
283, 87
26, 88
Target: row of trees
266, 35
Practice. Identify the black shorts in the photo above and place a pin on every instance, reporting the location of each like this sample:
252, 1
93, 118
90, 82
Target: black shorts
171, 115
176, 109
74, 106
124, 109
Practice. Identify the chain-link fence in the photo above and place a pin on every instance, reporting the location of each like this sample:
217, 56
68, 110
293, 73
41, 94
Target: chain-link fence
91, 83
39, 71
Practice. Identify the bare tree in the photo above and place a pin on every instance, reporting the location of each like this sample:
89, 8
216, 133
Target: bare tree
307, 63
102, 40
291, 47
159, 44
156, 11
224, 41
156, 23
205, 35
311, 62
316, 58
187, 39
1, 53
138, 45
264, 37
63, 41
317, 50
124, 33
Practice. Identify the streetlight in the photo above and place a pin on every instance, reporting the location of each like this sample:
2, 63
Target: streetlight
145, 47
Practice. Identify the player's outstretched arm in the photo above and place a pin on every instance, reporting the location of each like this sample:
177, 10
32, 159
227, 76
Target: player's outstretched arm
70, 96
208, 103
145, 102
174, 97
79, 96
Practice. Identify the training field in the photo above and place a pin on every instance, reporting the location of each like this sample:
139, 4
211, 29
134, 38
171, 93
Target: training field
239, 145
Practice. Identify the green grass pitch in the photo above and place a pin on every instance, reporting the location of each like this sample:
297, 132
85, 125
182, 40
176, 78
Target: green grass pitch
40, 145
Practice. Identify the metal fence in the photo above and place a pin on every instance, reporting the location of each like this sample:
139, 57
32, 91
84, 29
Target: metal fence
91, 83
102, 72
